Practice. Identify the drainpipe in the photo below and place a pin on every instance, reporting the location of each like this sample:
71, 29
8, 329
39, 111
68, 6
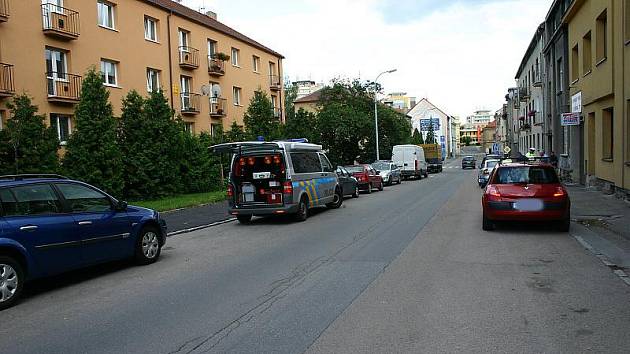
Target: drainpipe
280, 100
170, 59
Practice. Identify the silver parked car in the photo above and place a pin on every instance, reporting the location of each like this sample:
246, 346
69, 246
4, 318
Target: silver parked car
389, 171
485, 171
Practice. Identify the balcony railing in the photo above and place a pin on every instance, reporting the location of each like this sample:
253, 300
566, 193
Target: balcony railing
63, 87
216, 67
191, 103
4, 10
188, 57
523, 93
277, 112
7, 86
218, 107
60, 22
274, 82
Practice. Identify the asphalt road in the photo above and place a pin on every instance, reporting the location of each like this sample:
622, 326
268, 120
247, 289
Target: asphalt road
284, 287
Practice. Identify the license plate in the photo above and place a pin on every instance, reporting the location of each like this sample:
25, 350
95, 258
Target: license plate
529, 205
274, 184
262, 175
248, 188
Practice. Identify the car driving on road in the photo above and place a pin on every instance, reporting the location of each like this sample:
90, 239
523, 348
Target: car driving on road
389, 171
525, 192
367, 177
50, 225
469, 162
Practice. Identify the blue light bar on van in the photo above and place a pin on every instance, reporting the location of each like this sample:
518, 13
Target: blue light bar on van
299, 140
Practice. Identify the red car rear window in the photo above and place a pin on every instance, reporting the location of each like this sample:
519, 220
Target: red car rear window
525, 174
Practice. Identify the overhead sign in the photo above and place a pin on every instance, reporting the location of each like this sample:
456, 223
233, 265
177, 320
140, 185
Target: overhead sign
507, 150
567, 119
576, 103
425, 123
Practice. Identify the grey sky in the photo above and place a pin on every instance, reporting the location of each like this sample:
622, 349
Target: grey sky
461, 54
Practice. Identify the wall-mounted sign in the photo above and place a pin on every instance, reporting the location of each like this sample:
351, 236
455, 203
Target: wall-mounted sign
567, 119
576, 103
425, 123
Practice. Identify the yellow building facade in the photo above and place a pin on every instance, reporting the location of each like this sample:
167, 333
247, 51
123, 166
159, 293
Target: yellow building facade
599, 52
143, 45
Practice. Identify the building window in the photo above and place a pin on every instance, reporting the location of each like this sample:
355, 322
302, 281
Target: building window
183, 38
272, 68
627, 22
150, 29
106, 14
153, 80
256, 63
236, 94
587, 55
607, 134
235, 54
216, 129
186, 84
109, 72
62, 125
3, 114
212, 48
575, 58
189, 128
602, 37
560, 75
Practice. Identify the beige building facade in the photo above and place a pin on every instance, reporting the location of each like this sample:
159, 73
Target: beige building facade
599, 52
46, 46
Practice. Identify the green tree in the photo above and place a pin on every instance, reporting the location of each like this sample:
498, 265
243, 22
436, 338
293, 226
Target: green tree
416, 137
430, 134
93, 154
259, 118
27, 145
466, 140
236, 133
300, 125
290, 95
150, 164
393, 129
199, 170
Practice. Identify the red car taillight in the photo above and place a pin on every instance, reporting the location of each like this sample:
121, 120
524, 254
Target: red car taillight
287, 188
230, 191
559, 193
493, 192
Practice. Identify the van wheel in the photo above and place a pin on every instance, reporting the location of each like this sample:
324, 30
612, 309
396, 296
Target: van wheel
337, 201
244, 219
11, 281
302, 212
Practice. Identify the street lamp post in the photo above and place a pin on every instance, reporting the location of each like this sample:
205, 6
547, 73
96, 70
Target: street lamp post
378, 157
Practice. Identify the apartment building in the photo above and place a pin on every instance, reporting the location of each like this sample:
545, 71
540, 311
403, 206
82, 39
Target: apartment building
144, 45
423, 115
532, 132
599, 71
399, 101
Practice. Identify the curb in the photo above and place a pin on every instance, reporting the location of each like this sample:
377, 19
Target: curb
615, 268
201, 227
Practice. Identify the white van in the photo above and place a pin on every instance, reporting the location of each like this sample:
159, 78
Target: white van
411, 160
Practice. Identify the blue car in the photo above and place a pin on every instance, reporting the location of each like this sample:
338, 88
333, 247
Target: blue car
50, 225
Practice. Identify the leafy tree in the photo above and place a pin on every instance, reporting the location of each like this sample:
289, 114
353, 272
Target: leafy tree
236, 133
290, 95
259, 118
416, 137
300, 125
200, 171
466, 140
394, 128
27, 145
149, 162
93, 154
430, 134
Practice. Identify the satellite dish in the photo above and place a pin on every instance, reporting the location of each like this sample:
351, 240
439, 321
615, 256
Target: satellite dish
216, 90
206, 90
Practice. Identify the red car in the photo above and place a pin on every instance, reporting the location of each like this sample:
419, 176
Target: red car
525, 192
367, 177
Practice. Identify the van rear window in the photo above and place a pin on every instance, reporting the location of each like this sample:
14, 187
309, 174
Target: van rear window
525, 174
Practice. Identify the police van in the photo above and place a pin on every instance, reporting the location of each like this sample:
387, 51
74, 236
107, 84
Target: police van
276, 178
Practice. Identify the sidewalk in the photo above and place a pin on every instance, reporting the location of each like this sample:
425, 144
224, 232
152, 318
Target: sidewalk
602, 224
188, 218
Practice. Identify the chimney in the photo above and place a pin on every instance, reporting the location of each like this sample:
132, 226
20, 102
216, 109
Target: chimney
211, 14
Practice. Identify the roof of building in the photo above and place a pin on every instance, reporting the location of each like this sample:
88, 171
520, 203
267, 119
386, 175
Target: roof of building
313, 97
429, 102
532, 45
209, 22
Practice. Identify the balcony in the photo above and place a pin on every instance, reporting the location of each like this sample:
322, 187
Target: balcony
190, 103
188, 58
63, 87
216, 67
274, 83
523, 93
7, 86
218, 107
60, 22
4, 10
277, 112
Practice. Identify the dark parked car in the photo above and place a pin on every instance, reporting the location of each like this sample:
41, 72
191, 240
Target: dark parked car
349, 184
367, 177
50, 225
469, 162
389, 171
525, 192
489, 157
